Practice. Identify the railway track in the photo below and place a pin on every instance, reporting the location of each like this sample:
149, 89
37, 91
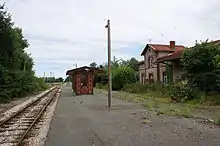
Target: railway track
17, 128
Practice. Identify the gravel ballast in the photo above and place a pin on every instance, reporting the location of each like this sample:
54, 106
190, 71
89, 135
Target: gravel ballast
41, 134
18, 107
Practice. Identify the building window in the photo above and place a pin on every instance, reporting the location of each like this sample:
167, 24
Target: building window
164, 78
150, 62
150, 76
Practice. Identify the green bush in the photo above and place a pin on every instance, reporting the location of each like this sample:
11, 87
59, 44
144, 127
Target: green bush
180, 92
201, 66
121, 76
217, 121
101, 86
135, 88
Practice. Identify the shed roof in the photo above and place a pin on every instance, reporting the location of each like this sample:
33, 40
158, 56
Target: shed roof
84, 68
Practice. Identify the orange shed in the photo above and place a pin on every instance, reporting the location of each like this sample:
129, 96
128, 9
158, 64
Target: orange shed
82, 79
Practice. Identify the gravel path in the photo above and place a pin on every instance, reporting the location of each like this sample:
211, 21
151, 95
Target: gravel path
86, 121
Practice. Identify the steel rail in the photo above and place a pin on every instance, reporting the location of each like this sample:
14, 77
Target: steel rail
36, 119
23, 109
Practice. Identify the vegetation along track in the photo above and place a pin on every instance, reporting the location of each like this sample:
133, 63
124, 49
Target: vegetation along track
15, 129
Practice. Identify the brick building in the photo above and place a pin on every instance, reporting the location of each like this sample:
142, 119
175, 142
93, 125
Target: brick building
149, 68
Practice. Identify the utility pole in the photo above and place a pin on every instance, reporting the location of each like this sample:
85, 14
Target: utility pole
109, 65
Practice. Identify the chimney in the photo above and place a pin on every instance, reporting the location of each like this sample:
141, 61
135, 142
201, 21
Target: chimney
172, 44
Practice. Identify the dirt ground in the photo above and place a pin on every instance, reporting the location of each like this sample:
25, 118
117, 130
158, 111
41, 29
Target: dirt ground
87, 121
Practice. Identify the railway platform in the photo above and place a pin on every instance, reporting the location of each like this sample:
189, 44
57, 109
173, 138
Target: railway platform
87, 121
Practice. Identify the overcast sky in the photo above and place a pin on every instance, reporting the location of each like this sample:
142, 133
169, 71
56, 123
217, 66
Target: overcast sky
62, 33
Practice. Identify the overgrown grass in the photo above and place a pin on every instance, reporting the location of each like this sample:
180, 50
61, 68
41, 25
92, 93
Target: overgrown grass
164, 105
101, 86
217, 121
179, 92
182, 112
175, 100
160, 105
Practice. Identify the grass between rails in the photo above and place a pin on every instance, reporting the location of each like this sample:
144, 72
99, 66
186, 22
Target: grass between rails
152, 101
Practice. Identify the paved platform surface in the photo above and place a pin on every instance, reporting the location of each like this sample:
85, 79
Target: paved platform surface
86, 121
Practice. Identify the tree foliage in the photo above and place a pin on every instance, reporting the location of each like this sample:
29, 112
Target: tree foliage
53, 79
121, 76
93, 64
60, 79
67, 79
201, 65
133, 63
123, 72
16, 66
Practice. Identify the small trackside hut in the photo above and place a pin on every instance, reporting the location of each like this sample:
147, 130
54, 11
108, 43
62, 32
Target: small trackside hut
82, 79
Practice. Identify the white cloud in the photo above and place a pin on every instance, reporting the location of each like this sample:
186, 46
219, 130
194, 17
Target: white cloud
61, 33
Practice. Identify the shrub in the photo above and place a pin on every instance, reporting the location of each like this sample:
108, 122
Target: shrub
201, 66
121, 76
101, 86
41, 83
180, 92
212, 98
217, 121
135, 88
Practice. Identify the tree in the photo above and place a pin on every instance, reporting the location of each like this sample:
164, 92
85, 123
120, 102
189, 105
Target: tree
67, 79
201, 65
60, 79
93, 64
217, 61
121, 76
133, 63
123, 71
16, 66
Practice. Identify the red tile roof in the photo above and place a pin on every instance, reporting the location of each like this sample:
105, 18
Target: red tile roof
177, 53
172, 56
161, 48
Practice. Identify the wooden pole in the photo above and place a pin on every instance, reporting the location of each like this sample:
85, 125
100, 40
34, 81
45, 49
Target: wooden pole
109, 65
